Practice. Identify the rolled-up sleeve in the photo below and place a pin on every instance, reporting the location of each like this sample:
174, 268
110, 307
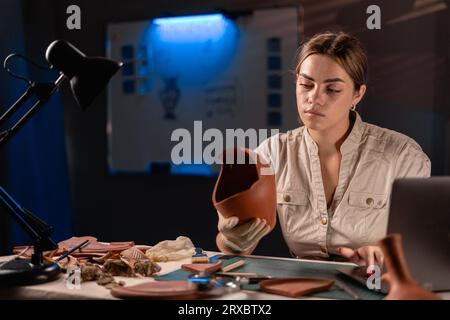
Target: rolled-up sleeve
269, 150
412, 162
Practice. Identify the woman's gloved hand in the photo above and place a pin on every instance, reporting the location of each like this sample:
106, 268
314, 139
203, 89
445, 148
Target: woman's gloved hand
241, 238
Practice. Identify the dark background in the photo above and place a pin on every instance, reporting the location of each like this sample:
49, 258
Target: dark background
57, 165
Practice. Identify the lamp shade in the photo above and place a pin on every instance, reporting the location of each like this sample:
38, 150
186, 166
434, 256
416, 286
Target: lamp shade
88, 75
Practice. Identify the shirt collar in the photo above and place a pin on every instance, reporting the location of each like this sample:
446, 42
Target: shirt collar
351, 142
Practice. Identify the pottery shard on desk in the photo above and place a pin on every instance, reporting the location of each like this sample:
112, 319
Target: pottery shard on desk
68, 244
157, 290
133, 255
92, 249
202, 267
295, 287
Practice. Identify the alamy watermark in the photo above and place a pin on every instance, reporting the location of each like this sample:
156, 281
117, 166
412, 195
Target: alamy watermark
191, 149
73, 280
73, 21
373, 282
374, 20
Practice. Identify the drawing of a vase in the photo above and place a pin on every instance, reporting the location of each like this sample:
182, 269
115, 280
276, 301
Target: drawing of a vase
170, 95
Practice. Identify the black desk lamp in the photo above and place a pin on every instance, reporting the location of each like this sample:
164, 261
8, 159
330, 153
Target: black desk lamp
88, 77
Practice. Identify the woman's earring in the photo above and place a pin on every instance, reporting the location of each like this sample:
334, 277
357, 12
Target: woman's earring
353, 106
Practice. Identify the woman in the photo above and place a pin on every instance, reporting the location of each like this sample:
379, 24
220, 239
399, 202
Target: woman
334, 174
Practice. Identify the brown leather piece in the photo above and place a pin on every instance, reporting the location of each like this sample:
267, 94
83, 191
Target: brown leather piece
202, 267
295, 287
241, 190
158, 290
402, 286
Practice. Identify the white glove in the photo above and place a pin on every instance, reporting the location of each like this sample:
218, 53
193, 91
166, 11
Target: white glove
242, 237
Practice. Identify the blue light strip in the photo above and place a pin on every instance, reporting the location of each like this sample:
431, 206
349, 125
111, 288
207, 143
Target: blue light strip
189, 19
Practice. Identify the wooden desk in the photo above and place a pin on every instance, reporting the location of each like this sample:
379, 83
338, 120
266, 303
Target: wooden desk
90, 290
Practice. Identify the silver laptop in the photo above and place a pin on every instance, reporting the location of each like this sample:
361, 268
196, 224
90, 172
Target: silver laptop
420, 212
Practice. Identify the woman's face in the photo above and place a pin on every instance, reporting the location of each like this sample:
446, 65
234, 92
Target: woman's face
325, 93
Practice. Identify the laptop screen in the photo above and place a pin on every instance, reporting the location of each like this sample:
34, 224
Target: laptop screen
420, 213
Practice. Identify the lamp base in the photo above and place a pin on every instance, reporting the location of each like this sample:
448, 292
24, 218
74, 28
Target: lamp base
21, 272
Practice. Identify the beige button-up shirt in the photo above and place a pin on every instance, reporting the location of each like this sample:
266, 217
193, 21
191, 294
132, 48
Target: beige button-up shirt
372, 157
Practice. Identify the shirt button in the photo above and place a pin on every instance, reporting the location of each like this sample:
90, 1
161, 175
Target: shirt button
369, 201
323, 249
324, 221
287, 198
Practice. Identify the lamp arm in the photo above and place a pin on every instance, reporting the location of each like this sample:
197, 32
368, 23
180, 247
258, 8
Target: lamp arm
43, 92
10, 112
37, 229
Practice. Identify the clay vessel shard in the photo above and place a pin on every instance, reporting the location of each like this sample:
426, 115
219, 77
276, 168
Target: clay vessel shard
245, 187
402, 286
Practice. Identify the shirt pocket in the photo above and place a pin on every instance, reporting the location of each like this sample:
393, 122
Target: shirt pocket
369, 214
290, 205
366, 200
292, 197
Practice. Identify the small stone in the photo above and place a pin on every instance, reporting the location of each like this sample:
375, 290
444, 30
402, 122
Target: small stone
146, 268
111, 285
105, 279
117, 268
90, 272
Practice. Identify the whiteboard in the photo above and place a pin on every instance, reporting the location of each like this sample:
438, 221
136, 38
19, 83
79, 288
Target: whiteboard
226, 73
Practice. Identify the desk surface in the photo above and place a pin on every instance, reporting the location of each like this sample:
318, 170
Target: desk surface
90, 290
